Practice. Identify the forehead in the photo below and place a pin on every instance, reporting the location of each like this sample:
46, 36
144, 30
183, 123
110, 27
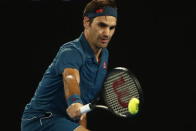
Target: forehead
110, 20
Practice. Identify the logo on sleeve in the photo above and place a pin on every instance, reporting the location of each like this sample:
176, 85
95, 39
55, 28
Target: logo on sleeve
74, 99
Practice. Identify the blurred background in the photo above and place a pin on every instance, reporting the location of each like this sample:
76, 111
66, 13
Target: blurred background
154, 39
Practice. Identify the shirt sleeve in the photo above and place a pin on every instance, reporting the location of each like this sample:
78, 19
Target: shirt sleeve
68, 58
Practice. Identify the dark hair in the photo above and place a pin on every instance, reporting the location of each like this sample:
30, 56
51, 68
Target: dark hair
97, 4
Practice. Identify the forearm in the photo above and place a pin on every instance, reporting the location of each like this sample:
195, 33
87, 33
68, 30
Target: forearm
71, 86
71, 82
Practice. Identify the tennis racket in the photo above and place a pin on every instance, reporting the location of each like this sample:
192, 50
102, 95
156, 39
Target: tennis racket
120, 87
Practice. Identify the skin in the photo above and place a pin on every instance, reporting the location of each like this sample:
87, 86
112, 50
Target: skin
98, 34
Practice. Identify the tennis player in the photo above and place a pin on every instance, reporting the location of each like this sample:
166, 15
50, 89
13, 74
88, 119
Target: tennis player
75, 76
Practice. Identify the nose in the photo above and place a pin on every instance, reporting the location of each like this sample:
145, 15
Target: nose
106, 31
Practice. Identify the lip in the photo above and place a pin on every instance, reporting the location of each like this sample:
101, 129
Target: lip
104, 40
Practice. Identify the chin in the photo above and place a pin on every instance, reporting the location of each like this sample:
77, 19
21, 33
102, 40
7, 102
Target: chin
103, 45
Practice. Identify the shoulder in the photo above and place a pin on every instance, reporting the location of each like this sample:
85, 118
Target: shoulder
73, 47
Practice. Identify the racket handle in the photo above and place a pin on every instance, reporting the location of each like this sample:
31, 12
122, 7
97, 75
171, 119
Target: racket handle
86, 108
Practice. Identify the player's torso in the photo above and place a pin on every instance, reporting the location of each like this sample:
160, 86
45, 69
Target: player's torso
49, 95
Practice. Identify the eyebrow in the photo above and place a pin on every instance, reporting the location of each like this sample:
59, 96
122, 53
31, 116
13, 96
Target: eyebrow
102, 24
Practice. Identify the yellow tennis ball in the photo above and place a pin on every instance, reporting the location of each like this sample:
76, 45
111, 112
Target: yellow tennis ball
133, 106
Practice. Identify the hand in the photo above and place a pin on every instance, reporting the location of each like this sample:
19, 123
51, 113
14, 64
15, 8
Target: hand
83, 120
74, 110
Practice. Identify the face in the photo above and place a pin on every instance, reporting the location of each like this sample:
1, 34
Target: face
100, 31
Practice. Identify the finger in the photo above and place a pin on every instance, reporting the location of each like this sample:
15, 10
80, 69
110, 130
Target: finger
72, 113
83, 116
69, 112
74, 110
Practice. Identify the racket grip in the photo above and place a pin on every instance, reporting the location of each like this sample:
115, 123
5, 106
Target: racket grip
86, 108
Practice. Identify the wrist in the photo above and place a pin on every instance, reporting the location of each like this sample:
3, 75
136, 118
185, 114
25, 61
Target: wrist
74, 99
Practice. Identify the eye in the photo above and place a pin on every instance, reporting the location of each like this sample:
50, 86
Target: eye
102, 25
112, 27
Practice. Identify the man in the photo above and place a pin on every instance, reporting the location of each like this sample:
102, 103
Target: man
75, 76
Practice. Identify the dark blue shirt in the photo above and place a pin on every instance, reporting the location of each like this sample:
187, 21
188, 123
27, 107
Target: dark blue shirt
49, 95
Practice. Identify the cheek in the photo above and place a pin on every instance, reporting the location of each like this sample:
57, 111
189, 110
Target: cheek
94, 30
93, 35
112, 32
96, 33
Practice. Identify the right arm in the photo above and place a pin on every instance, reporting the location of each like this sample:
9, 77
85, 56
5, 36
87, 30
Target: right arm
71, 80
68, 66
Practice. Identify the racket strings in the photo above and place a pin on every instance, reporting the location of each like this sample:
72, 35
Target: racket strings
124, 89
116, 97
129, 83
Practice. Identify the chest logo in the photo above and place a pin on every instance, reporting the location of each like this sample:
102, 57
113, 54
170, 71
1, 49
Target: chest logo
104, 65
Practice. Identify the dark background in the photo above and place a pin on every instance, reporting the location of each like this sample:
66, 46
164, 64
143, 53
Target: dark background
154, 39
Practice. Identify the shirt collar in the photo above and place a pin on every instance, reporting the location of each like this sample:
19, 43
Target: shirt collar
88, 50
86, 47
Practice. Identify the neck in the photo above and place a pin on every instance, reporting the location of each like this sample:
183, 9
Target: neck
96, 50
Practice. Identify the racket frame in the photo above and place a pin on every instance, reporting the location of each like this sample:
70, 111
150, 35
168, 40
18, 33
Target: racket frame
138, 86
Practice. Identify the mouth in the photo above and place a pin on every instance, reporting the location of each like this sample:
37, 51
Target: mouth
104, 41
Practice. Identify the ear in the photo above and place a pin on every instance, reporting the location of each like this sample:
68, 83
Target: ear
86, 22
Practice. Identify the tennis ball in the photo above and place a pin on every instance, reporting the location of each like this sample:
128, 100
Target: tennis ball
133, 106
